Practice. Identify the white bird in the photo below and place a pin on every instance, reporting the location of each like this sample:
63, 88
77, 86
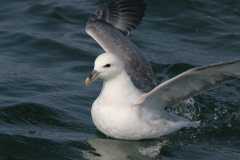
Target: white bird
131, 105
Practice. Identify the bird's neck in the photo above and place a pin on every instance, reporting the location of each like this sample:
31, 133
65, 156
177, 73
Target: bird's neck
119, 90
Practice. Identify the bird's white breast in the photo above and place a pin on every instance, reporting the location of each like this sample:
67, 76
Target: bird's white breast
119, 120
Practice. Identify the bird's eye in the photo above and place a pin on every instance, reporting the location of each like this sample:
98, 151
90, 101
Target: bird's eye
107, 65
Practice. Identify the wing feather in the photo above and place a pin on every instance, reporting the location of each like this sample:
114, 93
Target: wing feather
190, 83
112, 12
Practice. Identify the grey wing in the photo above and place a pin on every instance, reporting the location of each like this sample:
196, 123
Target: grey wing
109, 25
191, 82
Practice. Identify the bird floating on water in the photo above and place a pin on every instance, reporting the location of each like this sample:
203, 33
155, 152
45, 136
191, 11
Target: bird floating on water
131, 104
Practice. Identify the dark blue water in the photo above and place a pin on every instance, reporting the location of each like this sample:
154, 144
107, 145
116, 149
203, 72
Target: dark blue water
45, 56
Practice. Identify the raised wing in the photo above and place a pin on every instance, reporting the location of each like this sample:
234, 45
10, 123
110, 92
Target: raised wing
109, 25
189, 83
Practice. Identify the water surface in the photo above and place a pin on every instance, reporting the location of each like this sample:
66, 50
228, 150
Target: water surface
45, 56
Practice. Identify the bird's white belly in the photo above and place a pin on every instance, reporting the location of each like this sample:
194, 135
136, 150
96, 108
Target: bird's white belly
127, 123
116, 122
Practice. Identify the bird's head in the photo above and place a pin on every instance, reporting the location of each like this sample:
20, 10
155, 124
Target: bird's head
106, 66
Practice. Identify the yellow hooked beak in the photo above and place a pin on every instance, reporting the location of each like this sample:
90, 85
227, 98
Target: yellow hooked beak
92, 77
88, 81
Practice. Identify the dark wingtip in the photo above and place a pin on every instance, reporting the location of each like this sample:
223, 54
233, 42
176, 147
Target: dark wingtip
124, 15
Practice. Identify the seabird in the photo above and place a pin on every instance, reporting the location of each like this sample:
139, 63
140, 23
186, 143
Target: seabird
131, 104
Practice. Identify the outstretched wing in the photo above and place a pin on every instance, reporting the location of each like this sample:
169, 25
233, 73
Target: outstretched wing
109, 25
189, 83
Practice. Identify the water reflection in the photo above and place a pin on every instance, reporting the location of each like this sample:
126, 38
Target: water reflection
112, 149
